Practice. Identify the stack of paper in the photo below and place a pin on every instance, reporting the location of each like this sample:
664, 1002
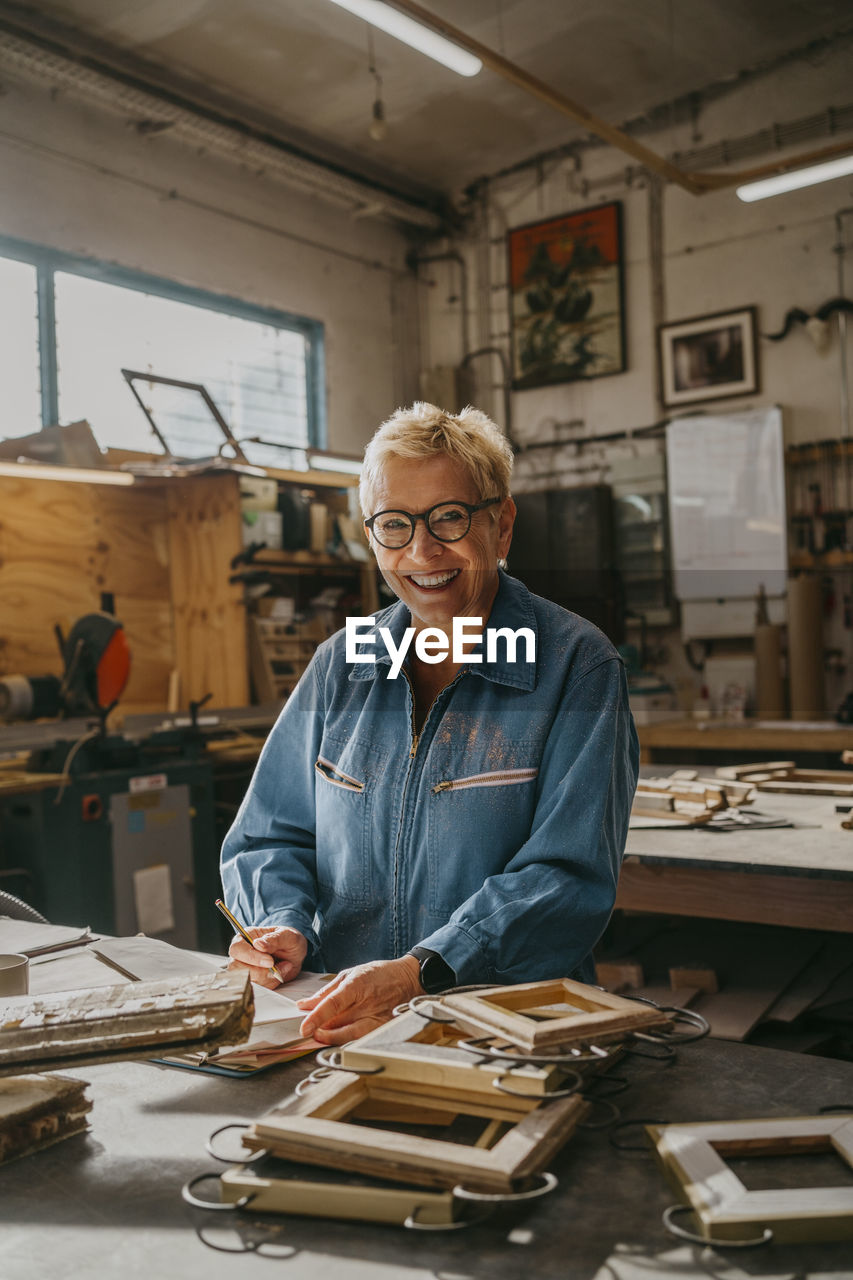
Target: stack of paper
36, 1111
275, 1031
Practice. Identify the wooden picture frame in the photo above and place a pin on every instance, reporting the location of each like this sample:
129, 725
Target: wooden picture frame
412, 1050
691, 1156
292, 1189
706, 358
530, 1015
567, 297
322, 1127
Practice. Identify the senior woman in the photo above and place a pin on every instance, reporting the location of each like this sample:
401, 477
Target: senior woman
462, 822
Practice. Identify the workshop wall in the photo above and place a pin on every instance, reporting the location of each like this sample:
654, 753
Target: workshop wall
717, 254
89, 182
685, 256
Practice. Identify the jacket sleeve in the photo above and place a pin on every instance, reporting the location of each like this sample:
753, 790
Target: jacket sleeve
543, 914
268, 859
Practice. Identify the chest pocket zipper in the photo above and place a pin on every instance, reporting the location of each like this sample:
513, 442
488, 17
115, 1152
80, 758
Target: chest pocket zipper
336, 776
502, 778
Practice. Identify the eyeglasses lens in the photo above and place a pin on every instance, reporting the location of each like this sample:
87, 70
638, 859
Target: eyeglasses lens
448, 522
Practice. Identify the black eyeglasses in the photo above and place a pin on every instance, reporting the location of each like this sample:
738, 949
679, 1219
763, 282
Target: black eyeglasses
446, 521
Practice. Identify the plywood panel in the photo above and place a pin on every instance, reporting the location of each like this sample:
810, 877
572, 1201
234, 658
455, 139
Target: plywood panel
132, 542
64, 543
151, 637
208, 612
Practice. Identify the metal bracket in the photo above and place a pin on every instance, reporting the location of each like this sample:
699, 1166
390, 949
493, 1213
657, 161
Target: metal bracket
681, 1234
575, 1087
213, 1206
328, 1060
241, 1159
482, 1048
549, 1182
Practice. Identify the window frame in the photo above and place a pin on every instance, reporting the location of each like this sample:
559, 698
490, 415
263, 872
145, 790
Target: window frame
48, 261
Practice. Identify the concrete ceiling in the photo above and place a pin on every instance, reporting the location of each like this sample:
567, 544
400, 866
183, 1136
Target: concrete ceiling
302, 66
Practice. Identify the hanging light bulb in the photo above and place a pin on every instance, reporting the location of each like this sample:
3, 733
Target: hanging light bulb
378, 125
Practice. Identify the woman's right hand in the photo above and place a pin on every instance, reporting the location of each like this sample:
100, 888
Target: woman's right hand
282, 947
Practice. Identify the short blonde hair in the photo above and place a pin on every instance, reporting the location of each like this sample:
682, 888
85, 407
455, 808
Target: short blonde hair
424, 431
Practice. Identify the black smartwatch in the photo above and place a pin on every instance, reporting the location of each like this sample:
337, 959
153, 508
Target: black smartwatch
435, 973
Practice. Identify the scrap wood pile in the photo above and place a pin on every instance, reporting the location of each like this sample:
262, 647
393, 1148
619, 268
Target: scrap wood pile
454, 1107
684, 797
36, 1111
783, 777
777, 987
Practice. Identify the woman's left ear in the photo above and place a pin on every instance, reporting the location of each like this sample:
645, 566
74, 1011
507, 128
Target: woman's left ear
506, 520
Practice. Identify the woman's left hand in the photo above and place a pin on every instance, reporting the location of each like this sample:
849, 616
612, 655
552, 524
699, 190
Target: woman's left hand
359, 999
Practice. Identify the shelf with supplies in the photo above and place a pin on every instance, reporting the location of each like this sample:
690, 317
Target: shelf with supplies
279, 652
305, 567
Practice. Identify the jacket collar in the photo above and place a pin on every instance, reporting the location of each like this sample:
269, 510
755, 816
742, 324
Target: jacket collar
512, 608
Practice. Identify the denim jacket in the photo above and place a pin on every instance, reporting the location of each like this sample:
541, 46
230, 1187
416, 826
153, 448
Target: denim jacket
493, 838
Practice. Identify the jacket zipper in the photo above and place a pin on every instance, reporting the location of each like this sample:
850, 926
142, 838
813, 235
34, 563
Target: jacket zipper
336, 776
488, 779
413, 751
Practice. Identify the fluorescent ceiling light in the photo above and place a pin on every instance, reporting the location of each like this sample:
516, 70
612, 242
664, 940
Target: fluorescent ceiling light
424, 39
797, 178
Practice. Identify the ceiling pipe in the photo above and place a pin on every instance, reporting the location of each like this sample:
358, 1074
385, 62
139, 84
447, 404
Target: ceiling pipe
506, 386
559, 101
695, 183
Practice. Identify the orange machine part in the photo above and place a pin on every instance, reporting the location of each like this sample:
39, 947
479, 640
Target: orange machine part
113, 669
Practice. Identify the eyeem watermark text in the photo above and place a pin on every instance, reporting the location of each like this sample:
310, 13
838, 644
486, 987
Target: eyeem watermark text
431, 644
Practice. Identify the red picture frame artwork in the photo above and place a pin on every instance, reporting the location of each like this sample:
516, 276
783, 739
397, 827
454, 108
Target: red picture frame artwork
567, 304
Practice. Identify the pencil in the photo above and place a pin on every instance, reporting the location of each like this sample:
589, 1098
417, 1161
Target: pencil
232, 919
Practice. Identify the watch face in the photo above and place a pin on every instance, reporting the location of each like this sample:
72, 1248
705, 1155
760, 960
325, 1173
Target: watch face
435, 975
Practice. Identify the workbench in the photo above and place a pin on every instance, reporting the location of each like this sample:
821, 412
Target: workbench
713, 741
108, 1204
798, 876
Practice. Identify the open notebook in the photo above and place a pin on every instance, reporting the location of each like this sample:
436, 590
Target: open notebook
111, 961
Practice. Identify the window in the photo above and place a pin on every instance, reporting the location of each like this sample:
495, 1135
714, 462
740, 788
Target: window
19, 348
261, 367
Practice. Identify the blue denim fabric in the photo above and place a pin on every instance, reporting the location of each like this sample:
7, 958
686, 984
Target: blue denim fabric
346, 835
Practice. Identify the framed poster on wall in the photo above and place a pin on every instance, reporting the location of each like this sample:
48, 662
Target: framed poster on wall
709, 357
567, 307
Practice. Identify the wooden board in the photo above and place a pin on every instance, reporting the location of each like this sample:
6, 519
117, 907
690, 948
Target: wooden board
208, 610
63, 544
813, 981
39, 1110
283, 1187
799, 901
137, 1020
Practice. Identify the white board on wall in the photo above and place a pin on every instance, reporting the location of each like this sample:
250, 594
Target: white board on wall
726, 484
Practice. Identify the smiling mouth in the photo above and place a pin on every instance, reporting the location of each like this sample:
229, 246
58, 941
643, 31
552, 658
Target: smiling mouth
432, 581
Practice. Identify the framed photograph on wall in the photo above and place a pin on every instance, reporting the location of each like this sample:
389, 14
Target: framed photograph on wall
708, 358
567, 306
